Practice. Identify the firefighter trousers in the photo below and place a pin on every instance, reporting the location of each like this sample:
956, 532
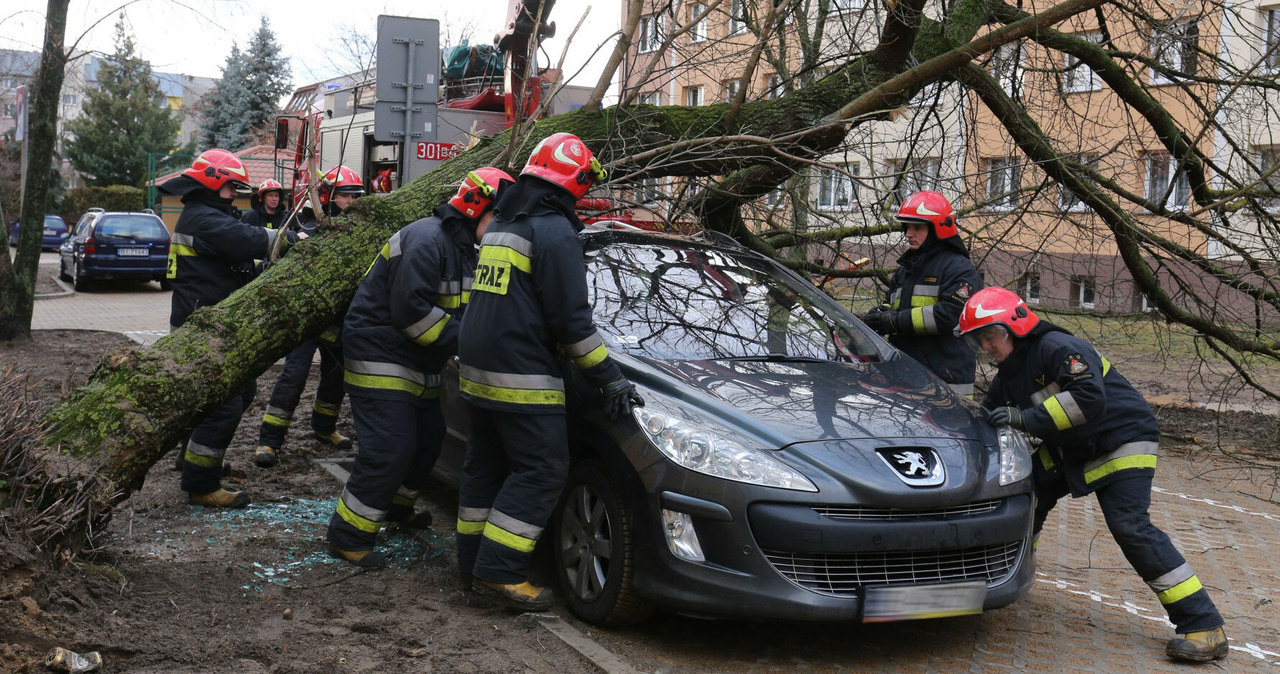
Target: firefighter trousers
288, 391
1125, 504
208, 442
516, 467
399, 443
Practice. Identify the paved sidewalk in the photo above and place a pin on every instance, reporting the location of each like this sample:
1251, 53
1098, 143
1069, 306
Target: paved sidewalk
138, 310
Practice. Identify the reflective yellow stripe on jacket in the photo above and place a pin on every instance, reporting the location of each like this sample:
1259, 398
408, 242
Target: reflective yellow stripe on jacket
522, 389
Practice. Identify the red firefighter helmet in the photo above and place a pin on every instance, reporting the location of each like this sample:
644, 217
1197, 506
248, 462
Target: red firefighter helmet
563, 159
997, 306
477, 191
215, 168
339, 180
269, 185
930, 207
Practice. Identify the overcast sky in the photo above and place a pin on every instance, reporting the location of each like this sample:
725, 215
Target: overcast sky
195, 37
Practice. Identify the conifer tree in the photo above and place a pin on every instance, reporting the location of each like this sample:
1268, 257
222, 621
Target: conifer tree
125, 119
248, 95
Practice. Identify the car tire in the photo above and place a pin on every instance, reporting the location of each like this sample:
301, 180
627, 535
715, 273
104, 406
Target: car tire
595, 551
79, 282
62, 269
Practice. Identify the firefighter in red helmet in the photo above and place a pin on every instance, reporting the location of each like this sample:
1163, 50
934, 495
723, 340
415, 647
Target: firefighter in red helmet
1099, 437
337, 190
401, 329
528, 305
211, 255
268, 206
933, 281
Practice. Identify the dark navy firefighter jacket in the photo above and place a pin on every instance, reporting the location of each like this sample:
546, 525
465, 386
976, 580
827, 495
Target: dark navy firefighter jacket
211, 252
403, 324
927, 294
530, 304
1094, 424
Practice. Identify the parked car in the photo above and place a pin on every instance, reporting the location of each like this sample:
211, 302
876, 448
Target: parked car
54, 228
115, 245
789, 463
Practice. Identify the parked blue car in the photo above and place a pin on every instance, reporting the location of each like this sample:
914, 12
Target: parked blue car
112, 245
54, 228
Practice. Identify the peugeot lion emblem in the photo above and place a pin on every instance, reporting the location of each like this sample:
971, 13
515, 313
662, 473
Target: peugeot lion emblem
917, 466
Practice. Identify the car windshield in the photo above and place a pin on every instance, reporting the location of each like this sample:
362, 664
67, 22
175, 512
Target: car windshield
676, 302
54, 222
132, 227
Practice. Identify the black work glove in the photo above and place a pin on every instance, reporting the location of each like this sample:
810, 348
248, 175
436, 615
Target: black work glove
1005, 416
620, 396
883, 321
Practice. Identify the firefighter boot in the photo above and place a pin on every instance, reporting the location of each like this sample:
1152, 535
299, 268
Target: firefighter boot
1198, 646
265, 456
221, 498
408, 519
521, 597
333, 439
368, 559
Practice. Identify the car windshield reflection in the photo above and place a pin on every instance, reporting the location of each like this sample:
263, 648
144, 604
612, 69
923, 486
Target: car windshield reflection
682, 302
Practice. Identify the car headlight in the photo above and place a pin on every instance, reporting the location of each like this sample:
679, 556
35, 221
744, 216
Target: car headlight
706, 452
1015, 455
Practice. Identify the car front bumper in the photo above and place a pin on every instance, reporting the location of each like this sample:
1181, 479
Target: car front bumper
786, 561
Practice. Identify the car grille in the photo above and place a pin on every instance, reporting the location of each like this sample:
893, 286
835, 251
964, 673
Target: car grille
855, 512
842, 575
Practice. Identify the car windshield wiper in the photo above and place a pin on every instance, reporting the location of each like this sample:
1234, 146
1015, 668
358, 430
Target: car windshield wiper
773, 358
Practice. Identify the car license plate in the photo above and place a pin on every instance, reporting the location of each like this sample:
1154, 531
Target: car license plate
915, 602
48, 232
133, 252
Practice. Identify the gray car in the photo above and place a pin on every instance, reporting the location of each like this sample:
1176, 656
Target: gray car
789, 463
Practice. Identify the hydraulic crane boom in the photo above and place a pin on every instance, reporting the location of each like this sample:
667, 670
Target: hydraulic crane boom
526, 22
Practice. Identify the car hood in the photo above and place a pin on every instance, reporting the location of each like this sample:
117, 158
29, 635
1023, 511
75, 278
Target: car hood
792, 402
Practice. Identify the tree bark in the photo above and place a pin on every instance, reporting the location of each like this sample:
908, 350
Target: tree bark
18, 282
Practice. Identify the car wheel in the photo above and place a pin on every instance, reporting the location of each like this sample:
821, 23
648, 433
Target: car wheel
62, 269
595, 551
79, 282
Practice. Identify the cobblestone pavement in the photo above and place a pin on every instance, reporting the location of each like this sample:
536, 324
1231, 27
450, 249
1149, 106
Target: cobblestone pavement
1088, 611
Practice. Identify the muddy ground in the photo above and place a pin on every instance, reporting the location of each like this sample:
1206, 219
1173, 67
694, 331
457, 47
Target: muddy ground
184, 589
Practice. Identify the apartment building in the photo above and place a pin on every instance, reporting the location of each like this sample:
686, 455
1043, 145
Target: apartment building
1025, 232
18, 68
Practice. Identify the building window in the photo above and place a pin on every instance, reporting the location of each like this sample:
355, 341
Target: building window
650, 191
1031, 287
1271, 57
650, 98
10, 110
730, 88
1067, 200
737, 16
1173, 46
652, 29
693, 96
1083, 291
773, 196
12, 83
1005, 68
1269, 172
909, 178
1002, 183
774, 88
1077, 76
698, 13
836, 190
69, 99
842, 6
1166, 185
